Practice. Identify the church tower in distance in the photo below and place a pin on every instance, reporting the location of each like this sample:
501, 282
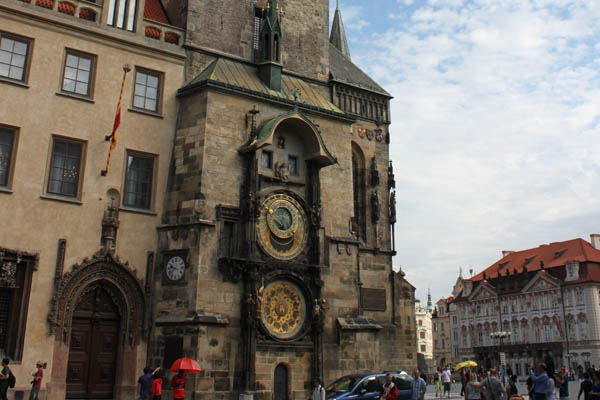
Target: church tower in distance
275, 250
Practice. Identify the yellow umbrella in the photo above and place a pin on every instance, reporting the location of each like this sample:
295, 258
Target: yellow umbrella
465, 364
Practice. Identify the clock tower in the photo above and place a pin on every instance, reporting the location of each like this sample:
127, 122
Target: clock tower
275, 248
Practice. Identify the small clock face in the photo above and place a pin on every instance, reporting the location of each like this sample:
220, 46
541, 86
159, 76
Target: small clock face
175, 268
282, 229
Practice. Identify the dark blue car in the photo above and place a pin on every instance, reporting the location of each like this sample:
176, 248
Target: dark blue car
367, 386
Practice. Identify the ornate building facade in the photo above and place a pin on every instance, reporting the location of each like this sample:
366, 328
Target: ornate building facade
545, 298
424, 324
442, 333
245, 219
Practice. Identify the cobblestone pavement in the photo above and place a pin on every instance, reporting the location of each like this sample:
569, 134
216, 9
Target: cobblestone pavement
455, 391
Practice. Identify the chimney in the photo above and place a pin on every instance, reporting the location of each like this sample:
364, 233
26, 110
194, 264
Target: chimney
595, 240
506, 252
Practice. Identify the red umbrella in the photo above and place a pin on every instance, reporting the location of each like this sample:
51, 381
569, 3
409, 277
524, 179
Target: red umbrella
187, 364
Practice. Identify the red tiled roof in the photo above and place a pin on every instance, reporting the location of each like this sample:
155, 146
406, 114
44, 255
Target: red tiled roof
553, 255
154, 11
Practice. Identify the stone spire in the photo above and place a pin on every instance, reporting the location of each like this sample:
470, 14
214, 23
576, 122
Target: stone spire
338, 35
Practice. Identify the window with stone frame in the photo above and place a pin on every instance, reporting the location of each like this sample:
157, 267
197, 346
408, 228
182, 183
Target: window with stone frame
139, 177
122, 14
8, 139
148, 90
16, 270
66, 162
78, 73
15, 54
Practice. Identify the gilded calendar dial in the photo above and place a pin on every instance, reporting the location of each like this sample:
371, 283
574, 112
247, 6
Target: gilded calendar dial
282, 227
283, 309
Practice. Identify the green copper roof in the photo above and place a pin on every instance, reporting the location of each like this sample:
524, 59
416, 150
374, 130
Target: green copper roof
238, 75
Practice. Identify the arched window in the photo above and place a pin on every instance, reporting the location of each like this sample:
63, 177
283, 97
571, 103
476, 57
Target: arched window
358, 189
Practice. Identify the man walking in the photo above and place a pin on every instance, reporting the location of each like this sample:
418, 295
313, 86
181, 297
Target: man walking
494, 389
540, 382
318, 392
145, 382
417, 387
4, 375
36, 383
446, 381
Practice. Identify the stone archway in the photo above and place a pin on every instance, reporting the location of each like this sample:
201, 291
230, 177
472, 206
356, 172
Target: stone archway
124, 293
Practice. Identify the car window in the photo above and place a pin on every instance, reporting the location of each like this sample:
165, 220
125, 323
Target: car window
344, 384
370, 385
402, 382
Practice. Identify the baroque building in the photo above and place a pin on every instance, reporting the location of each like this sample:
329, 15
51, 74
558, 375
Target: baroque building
546, 300
424, 325
442, 333
245, 218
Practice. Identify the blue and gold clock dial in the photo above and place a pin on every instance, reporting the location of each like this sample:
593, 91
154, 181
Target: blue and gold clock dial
282, 227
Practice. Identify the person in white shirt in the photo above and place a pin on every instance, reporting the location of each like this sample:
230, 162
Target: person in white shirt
318, 392
446, 380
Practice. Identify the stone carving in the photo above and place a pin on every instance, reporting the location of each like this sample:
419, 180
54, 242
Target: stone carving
8, 274
103, 269
379, 135
110, 225
374, 173
375, 206
282, 171
391, 177
393, 207
370, 134
315, 214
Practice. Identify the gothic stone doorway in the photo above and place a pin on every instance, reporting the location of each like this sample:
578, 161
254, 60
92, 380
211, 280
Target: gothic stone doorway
93, 347
97, 319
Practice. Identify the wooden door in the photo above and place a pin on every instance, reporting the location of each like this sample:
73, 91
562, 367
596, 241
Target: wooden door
280, 385
93, 347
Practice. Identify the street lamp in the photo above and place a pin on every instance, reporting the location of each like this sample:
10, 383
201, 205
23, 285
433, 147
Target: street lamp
501, 355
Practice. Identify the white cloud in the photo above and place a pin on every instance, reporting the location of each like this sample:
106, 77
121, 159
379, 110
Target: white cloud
495, 130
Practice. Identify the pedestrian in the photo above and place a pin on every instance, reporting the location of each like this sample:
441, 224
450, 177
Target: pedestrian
437, 380
145, 382
511, 389
464, 379
446, 381
36, 383
417, 387
551, 392
473, 388
178, 385
585, 387
562, 382
4, 379
494, 390
318, 392
156, 393
540, 382
595, 393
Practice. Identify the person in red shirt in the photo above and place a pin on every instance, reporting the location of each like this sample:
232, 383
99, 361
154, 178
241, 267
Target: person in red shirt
390, 391
157, 382
178, 384
36, 383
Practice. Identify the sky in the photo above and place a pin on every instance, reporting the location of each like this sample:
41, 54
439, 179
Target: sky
495, 132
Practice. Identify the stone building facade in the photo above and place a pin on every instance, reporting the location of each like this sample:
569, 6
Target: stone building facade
442, 333
245, 219
546, 298
424, 325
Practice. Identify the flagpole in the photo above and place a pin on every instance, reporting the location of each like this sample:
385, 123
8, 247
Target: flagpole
113, 136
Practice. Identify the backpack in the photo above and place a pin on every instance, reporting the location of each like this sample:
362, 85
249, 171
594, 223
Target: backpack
12, 381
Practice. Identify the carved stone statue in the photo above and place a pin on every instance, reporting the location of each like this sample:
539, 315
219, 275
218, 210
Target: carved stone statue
374, 173
392, 207
282, 171
375, 206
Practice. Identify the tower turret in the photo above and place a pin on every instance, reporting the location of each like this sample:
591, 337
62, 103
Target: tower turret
269, 66
338, 35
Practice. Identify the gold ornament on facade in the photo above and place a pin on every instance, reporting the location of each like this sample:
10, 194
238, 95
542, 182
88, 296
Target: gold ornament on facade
284, 309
